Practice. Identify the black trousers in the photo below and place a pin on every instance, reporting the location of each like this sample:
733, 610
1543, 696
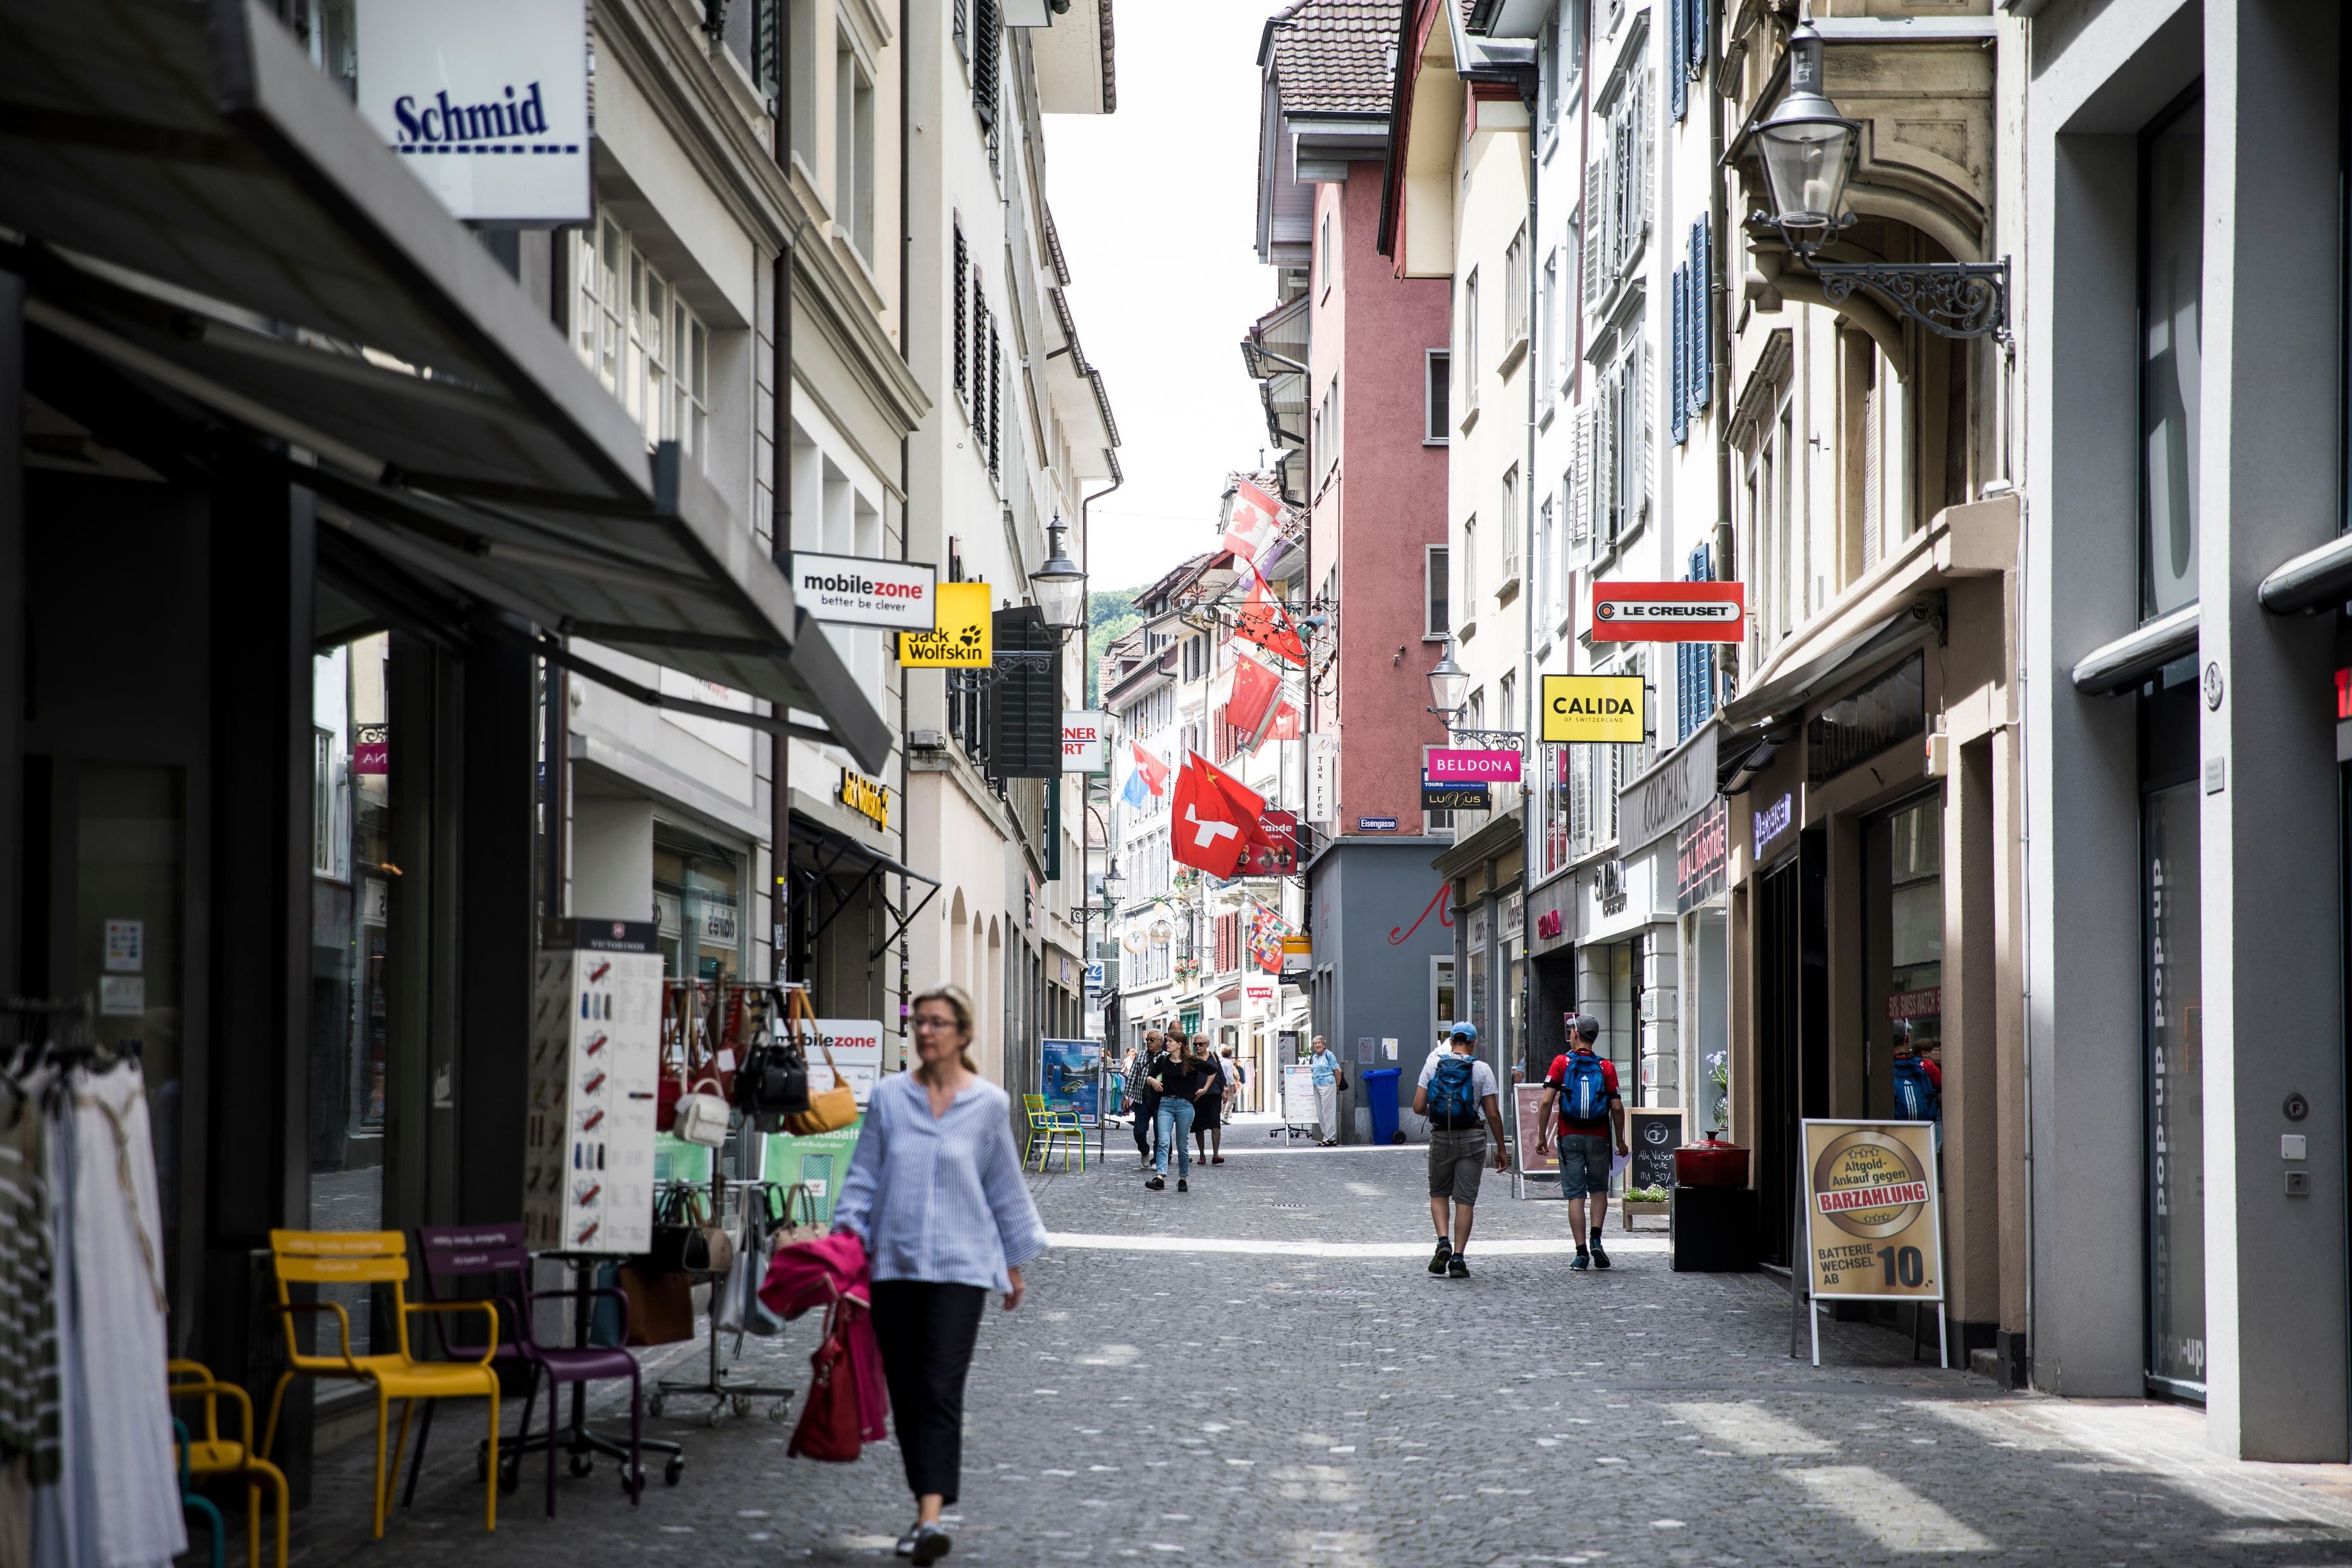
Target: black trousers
1144, 1111
926, 1333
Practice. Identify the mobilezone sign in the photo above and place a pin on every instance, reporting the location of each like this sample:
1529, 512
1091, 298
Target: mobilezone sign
487, 104
860, 590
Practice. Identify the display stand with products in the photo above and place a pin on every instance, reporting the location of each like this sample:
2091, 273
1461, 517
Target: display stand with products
588, 1156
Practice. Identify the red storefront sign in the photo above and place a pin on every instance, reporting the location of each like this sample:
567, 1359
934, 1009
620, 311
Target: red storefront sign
1669, 612
1905, 1005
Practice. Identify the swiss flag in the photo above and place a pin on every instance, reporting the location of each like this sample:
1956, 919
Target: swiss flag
1257, 692
1216, 817
1150, 769
1263, 621
1251, 528
1286, 724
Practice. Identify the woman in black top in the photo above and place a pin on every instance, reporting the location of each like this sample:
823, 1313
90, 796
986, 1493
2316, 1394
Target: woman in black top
1209, 1103
1177, 1078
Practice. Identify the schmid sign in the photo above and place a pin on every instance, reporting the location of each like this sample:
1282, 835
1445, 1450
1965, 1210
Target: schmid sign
853, 591
1447, 767
1082, 747
487, 104
1603, 708
1668, 612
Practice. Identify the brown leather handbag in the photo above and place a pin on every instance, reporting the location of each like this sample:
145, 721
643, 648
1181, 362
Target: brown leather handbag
829, 1109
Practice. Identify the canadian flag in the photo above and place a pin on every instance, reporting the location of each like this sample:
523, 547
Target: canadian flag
1216, 817
1263, 621
1252, 528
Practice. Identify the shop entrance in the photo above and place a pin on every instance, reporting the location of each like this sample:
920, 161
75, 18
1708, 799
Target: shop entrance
1901, 942
2172, 1019
1791, 1028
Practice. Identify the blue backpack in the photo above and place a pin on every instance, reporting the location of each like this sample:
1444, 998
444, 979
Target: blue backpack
1917, 1097
1454, 1088
1584, 1093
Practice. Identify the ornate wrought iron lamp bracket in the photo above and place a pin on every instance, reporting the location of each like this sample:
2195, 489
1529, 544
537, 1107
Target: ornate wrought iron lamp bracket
1951, 299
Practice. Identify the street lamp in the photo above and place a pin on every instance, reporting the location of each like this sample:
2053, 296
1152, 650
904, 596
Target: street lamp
1809, 150
1060, 586
1449, 685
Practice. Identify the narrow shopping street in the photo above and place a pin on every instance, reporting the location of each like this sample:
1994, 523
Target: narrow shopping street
1260, 1372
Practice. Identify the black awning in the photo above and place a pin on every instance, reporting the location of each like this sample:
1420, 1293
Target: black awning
206, 212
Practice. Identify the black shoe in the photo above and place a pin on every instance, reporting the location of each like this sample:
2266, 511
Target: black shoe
1157, 1184
1437, 1259
1600, 1258
1583, 1259
1183, 1185
906, 1547
1456, 1269
931, 1544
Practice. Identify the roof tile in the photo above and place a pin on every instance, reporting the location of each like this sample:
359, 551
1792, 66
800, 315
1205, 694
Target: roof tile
1331, 57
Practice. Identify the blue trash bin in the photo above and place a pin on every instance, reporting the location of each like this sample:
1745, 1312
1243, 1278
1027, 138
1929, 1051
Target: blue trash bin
1381, 1096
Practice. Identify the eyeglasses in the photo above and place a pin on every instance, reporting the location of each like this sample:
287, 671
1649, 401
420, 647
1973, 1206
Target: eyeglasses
936, 1021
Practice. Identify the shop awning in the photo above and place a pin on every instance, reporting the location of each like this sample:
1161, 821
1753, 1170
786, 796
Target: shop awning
1785, 693
204, 211
2120, 666
837, 852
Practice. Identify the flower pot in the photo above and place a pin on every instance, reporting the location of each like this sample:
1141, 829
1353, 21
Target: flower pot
1711, 1162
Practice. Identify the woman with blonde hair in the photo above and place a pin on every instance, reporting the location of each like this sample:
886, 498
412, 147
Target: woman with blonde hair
935, 1192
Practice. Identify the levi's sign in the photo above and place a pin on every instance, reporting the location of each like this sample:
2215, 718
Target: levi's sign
488, 105
1602, 708
853, 591
1668, 612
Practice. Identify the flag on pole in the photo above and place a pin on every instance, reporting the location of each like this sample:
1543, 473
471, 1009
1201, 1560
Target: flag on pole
1267, 931
1264, 622
1256, 692
1216, 817
1251, 527
1286, 725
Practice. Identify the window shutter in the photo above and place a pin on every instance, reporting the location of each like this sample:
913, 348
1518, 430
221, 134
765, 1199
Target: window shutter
962, 318
1645, 139
1597, 252
1025, 700
1695, 40
1604, 468
1677, 47
995, 404
1702, 315
1681, 334
1580, 799
987, 34
1637, 415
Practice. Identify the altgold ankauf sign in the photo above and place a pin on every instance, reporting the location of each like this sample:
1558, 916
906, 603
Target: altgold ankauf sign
1872, 1222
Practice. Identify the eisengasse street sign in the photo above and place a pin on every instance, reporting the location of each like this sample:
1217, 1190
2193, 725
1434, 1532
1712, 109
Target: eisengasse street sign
1669, 612
1603, 708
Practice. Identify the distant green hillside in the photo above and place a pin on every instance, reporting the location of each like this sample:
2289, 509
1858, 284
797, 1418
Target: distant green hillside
1110, 615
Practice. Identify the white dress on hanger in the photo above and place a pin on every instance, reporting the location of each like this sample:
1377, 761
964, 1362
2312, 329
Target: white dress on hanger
118, 1259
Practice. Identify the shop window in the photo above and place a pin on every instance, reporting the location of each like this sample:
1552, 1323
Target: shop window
2173, 1016
1554, 834
1903, 940
2172, 216
698, 895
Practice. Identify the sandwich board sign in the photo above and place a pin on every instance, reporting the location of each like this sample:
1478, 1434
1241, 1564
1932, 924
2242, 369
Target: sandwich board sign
1872, 1224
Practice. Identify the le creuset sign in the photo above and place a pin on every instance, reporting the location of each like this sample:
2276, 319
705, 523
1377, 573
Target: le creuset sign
1669, 612
1452, 766
487, 104
853, 591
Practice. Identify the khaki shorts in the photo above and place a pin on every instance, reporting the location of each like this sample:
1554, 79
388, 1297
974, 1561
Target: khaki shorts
1457, 1160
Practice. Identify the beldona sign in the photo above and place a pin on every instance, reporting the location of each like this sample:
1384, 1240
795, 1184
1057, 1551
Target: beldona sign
487, 104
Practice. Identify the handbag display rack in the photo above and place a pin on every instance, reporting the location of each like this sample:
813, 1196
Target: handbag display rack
763, 1073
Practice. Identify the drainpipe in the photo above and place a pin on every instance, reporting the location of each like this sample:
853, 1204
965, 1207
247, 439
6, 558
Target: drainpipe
1532, 86
779, 485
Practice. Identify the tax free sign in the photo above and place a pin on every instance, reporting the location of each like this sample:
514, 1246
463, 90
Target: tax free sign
487, 103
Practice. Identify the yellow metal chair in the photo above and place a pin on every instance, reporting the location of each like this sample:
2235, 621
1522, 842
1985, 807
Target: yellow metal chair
1051, 1126
214, 1455
370, 1257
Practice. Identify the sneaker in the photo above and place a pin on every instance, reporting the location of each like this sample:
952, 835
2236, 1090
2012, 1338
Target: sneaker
1457, 1269
906, 1547
1217, 1159
931, 1543
1183, 1185
1582, 1259
1437, 1259
1600, 1258
1157, 1184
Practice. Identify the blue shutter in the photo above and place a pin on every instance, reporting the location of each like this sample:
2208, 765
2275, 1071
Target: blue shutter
1695, 38
1678, 402
1702, 313
1702, 705
1677, 50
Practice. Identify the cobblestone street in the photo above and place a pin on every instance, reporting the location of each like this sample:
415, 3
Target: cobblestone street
1260, 1371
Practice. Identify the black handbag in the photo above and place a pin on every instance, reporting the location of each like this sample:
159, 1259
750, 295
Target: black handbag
773, 1080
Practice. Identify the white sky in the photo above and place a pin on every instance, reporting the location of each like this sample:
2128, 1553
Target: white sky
1155, 204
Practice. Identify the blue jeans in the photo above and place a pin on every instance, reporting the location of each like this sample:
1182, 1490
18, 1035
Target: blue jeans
1176, 1115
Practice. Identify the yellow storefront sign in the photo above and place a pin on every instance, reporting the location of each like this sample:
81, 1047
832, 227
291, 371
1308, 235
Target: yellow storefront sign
1872, 1227
961, 640
866, 798
1597, 708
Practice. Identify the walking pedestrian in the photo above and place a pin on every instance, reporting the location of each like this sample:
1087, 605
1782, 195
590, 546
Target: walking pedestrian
1142, 1100
1176, 1076
1236, 1083
1582, 1087
935, 1192
1326, 1064
1209, 1107
1456, 1092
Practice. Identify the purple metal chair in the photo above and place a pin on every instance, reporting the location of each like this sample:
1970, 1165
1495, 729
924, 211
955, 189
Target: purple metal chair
453, 1251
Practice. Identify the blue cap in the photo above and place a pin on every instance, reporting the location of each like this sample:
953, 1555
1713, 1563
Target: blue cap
1465, 1031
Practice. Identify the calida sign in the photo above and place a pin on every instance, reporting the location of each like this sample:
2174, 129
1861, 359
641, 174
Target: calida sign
1609, 709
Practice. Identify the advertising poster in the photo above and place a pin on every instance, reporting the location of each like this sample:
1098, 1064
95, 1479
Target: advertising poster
857, 1047
1872, 1220
1072, 1078
1526, 1125
1299, 1095
595, 1047
818, 1162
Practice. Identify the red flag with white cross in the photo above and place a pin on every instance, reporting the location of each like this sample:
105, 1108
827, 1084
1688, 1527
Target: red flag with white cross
1216, 817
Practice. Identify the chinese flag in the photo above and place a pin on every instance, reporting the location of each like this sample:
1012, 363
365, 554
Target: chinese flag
1263, 621
1216, 817
1257, 692
1251, 528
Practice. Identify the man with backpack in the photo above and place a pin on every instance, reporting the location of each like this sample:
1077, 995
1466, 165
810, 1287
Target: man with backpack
1457, 1094
1919, 1083
1583, 1084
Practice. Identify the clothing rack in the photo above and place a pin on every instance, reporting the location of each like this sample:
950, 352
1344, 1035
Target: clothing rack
726, 1395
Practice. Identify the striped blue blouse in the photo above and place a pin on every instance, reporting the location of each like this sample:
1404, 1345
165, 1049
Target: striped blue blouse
941, 1199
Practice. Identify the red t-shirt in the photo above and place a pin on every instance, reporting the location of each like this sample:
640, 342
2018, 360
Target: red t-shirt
1557, 1080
